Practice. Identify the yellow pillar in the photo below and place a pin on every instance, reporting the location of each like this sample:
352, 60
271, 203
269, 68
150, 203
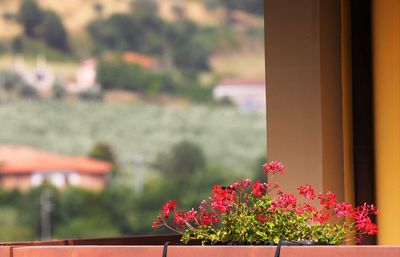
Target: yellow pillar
386, 73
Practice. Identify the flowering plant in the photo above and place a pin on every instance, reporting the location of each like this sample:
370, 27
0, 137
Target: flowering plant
261, 212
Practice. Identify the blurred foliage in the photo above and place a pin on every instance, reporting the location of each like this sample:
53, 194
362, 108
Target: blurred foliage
30, 16
54, 33
121, 75
227, 136
12, 86
103, 151
41, 24
184, 174
91, 94
11, 228
181, 44
183, 160
251, 6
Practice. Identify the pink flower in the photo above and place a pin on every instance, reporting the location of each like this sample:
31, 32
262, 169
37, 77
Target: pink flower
192, 215
158, 222
168, 207
234, 185
242, 184
365, 225
327, 201
245, 182
284, 201
363, 222
307, 191
273, 167
343, 209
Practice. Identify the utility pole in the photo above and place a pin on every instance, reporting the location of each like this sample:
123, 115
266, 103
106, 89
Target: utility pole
138, 172
45, 219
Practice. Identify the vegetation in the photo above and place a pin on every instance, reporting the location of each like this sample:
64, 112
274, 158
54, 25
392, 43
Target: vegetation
54, 33
251, 6
183, 161
119, 208
151, 35
202, 144
30, 16
227, 136
262, 213
41, 24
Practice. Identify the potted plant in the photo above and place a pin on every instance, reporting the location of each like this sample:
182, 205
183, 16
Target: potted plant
261, 213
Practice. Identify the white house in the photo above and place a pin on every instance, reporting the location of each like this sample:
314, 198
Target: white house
247, 94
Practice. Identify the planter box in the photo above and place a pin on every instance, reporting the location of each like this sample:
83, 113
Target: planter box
151, 246
200, 251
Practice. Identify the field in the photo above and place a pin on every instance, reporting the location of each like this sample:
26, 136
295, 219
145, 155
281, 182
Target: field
229, 137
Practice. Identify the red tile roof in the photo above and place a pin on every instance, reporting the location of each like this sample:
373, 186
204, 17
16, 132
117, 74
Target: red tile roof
144, 61
24, 159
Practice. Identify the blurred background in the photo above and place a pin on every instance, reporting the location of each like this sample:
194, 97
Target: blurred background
109, 108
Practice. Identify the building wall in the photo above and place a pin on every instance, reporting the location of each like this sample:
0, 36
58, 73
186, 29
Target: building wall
92, 181
304, 108
24, 182
21, 182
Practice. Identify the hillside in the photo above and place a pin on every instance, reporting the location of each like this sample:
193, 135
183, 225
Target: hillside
76, 14
228, 137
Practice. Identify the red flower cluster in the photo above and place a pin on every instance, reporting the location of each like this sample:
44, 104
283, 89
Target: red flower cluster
328, 200
208, 218
258, 188
159, 221
168, 207
284, 201
343, 210
307, 191
363, 221
222, 198
273, 167
236, 198
241, 185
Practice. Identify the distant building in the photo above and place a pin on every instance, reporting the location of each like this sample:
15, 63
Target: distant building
23, 167
85, 76
41, 77
248, 95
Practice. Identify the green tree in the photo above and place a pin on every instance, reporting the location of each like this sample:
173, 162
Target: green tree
185, 159
251, 6
121, 75
54, 33
103, 151
30, 16
190, 50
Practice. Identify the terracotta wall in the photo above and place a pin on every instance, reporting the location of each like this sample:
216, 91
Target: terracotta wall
92, 181
21, 182
200, 251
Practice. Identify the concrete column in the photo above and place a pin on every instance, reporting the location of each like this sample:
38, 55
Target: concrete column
304, 92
